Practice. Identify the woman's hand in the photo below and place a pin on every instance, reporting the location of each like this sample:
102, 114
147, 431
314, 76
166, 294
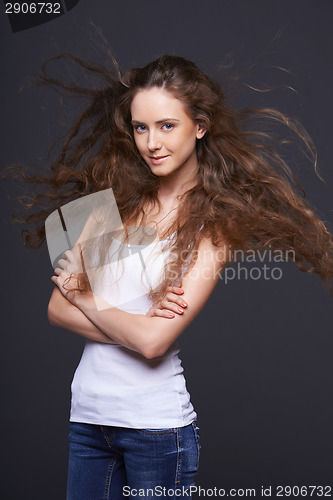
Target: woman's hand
170, 305
66, 283
68, 274
73, 261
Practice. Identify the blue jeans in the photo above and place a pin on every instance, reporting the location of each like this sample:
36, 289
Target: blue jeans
112, 463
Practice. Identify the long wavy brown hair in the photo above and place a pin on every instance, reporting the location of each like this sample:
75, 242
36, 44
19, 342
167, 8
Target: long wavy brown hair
246, 194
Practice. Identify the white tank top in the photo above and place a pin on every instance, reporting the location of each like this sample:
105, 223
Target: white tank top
116, 386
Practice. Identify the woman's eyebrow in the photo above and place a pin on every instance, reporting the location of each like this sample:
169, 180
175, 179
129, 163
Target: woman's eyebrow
136, 122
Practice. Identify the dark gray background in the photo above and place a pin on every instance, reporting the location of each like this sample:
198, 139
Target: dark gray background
258, 359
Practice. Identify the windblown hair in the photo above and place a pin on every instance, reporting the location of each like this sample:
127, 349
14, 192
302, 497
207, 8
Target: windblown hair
246, 195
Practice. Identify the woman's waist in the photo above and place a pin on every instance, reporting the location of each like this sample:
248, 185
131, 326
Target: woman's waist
118, 366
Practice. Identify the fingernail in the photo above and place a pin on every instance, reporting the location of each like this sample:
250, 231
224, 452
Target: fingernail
184, 304
180, 310
171, 315
180, 290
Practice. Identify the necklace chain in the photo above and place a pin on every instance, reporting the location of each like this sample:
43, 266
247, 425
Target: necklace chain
158, 222
152, 227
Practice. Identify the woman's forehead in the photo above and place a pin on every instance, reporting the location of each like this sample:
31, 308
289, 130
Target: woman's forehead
154, 101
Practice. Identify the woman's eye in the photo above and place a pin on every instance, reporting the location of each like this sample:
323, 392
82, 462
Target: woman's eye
168, 126
140, 128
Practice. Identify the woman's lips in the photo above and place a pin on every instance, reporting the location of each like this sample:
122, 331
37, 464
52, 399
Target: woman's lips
157, 160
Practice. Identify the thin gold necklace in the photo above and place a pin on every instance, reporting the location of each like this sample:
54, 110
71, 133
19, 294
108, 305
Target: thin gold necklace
158, 222
149, 235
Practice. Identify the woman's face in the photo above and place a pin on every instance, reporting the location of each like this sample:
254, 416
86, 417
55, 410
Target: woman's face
164, 133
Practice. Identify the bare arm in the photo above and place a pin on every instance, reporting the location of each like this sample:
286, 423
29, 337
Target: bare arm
62, 313
152, 336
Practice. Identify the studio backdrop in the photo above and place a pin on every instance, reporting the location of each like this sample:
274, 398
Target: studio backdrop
258, 358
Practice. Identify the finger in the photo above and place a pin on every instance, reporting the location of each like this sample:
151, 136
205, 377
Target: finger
171, 306
174, 298
62, 263
57, 270
162, 313
175, 289
75, 258
69, 255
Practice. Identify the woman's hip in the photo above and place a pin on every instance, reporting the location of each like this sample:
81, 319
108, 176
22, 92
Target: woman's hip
152, 459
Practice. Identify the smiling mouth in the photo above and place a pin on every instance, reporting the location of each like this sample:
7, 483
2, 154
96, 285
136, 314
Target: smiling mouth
157, 160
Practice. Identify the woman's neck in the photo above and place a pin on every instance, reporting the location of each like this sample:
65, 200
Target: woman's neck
172, 188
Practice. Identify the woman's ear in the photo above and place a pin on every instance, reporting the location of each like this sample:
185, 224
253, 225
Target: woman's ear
201, 130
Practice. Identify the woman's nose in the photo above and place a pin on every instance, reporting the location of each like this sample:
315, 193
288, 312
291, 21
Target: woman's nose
153, 142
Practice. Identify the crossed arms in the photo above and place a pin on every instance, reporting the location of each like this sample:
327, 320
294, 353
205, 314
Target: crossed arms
149, 335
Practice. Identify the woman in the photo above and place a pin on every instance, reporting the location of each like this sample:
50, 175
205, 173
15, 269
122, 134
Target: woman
151, 414
179, 160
